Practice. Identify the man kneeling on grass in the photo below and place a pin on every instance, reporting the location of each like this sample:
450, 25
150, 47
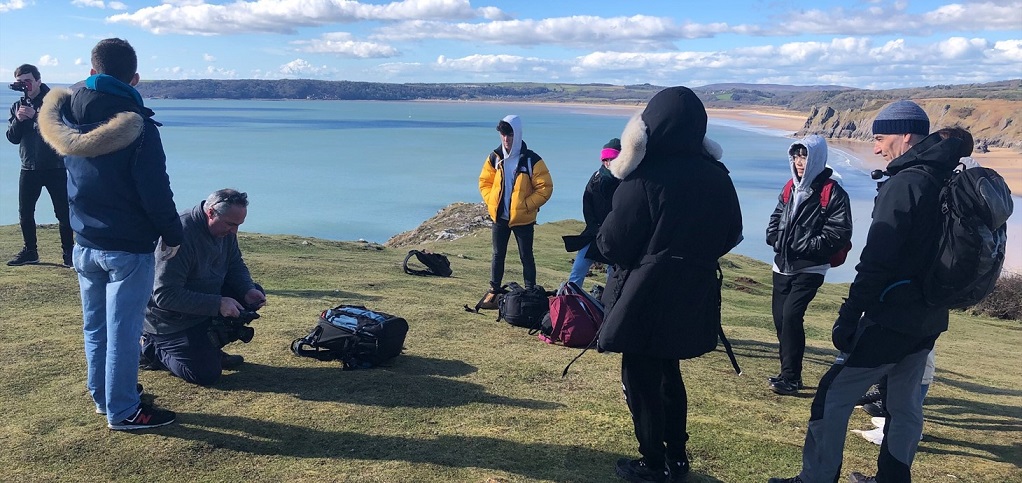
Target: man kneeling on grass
203, 297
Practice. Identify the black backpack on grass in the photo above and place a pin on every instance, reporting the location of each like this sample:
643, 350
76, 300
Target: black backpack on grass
354, 335
524, 307
436, 264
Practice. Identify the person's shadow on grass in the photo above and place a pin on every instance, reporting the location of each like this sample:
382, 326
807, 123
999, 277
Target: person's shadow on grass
410, 381
539, 461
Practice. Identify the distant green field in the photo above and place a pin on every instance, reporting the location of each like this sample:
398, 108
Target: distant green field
471, 399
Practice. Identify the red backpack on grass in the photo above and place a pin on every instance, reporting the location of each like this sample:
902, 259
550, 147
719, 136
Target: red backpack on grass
575, 318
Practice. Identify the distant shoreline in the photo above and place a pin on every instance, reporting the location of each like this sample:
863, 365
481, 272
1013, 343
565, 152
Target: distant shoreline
1007, 162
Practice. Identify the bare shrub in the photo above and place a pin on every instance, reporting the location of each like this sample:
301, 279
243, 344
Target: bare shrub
1005, 302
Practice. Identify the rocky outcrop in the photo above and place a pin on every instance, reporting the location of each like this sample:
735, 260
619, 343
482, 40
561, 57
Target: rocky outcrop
450, 223
992, 122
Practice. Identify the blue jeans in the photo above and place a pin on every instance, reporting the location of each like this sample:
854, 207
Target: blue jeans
580, 268
115, 288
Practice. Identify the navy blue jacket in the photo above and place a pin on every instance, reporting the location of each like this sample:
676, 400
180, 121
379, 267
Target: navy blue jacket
118, 185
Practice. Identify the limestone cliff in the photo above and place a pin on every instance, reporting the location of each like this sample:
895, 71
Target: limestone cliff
992, 122
450, 223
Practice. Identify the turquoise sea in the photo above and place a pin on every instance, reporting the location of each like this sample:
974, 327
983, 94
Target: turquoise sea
348, 170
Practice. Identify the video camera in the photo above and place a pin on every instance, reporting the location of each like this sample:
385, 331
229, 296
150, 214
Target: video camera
225, 330
21, 87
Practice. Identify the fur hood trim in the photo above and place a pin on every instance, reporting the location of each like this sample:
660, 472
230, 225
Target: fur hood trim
633, 148
110, 136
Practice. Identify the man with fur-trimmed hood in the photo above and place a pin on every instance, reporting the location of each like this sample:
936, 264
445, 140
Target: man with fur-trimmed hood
804, 235
674, 214
121, 205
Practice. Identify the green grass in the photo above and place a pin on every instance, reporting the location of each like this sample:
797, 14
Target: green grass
471, 399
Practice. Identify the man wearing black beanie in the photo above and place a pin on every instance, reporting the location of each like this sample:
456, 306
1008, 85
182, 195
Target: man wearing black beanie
885, 327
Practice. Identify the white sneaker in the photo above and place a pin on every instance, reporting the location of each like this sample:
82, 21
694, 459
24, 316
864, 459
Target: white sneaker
878, 422
875, 435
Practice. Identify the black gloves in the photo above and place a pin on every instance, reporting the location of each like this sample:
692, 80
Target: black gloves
843, 334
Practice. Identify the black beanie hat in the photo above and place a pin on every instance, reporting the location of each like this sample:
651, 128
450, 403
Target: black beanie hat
613, 144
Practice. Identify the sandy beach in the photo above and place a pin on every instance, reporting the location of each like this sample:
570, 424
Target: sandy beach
1007, 162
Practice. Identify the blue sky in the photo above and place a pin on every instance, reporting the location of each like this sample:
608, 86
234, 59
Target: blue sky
868, 44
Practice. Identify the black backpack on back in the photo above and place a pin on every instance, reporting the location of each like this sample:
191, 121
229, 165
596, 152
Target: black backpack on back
976, 204
354, 335
524, 307
436, 264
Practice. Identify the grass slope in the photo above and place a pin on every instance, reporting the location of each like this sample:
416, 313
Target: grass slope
470, 400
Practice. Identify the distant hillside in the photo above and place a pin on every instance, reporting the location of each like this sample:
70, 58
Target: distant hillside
992, 122
991, 111
805, 98
347, 90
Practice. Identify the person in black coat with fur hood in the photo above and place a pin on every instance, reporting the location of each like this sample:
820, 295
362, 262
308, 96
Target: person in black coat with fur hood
674, 214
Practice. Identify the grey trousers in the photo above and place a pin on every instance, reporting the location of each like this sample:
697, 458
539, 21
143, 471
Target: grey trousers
877, 352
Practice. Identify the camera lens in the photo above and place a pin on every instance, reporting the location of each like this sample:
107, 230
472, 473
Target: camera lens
245, 334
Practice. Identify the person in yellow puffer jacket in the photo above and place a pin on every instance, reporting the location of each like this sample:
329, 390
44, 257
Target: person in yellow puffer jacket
513, 192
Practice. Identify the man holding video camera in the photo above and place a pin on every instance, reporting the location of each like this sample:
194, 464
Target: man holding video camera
204, 297
41, 167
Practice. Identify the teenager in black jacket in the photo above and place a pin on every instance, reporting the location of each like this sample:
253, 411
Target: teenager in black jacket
804, 235
674, 214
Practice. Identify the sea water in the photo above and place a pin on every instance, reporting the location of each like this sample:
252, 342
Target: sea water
348, 170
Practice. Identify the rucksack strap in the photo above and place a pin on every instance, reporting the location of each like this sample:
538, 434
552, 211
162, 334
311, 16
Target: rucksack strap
298, 347
786, 191
828, 186
720, 328
825, 191
412, 271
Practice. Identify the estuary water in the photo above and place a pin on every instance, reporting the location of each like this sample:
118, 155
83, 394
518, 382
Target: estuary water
348, 170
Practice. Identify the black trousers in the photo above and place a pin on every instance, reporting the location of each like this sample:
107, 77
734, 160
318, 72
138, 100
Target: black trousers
656, 397
792, 294
523, 235
30, 188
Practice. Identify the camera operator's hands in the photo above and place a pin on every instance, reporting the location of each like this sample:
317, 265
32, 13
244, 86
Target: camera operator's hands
230, 307
166, 253
254, 299
25, 113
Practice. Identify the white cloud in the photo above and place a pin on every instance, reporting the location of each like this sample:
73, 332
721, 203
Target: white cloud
48, 61
895, 19
208, 58
12, 5
300, 67
79, 61
99, 4
344, 44
493, 13
960, 47
1009, 51
283, 16
217, 72
661, 32
578, 31
849, 61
